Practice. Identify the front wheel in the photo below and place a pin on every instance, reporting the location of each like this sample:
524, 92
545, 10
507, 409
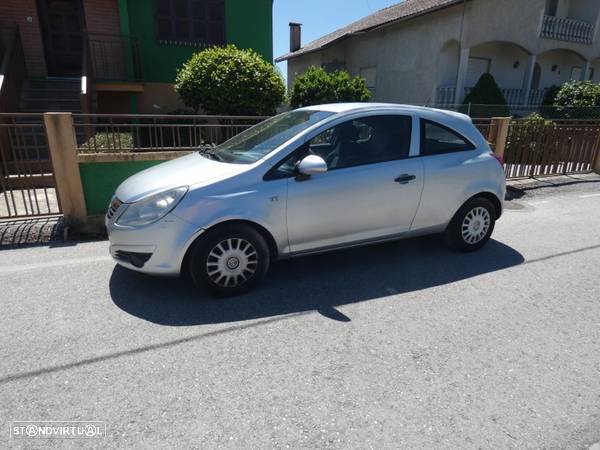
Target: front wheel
472, 226
229, 260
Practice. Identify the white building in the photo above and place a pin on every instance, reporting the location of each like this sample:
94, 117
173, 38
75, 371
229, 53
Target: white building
434, 51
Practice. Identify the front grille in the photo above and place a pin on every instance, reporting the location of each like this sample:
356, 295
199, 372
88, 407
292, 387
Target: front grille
114, 206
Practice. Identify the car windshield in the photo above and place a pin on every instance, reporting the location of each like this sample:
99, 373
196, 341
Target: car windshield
260, 140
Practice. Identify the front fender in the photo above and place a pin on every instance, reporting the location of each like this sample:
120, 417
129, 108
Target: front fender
266, 208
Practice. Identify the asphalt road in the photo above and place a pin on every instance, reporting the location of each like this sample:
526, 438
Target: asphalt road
406, 345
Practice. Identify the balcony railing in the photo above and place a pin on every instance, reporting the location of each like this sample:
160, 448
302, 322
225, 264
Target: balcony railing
115, 57
514, 97
569, 30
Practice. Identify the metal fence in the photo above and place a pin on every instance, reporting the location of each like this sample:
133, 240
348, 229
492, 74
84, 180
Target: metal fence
26, 175
551, 148
98, 133
27, 182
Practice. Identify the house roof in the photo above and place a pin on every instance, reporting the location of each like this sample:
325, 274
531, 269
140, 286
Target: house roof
402, 11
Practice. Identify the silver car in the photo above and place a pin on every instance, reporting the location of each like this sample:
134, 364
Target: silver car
311, 180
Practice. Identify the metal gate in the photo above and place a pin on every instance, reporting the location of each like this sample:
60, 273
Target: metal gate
27, 184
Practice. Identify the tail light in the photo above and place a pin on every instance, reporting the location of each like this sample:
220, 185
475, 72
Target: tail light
498, 158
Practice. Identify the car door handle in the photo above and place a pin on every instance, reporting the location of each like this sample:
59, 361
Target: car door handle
405, 179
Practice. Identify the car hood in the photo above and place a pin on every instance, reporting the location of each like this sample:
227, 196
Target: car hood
190, 170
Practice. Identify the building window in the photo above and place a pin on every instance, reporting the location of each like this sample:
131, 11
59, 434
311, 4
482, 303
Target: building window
195, 22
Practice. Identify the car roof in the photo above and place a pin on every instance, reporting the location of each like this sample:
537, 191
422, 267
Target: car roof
341, 108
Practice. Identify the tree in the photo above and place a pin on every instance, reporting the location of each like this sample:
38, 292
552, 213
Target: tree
486, 99
317, 86
230, 81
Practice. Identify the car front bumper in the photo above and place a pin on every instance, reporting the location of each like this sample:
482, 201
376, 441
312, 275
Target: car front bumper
157, 249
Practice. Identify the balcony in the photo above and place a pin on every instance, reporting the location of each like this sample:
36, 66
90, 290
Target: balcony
514, 97
568, 30
115, 57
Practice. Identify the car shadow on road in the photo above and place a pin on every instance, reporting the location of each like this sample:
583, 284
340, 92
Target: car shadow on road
315, 283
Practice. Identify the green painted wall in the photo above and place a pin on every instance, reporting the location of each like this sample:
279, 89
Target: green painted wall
100, 181
249, 24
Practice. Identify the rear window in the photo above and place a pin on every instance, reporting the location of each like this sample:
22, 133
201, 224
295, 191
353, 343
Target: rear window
438, 139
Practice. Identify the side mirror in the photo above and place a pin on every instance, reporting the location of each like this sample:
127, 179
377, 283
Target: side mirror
312, 165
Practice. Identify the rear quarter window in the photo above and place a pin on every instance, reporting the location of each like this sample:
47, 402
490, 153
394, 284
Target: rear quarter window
438, 139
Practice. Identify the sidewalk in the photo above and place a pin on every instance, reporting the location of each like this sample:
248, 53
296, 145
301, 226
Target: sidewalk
552, 181
42, 230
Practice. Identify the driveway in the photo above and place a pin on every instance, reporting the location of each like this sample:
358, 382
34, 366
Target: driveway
404, 345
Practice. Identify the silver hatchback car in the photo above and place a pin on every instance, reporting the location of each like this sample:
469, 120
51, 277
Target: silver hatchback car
311, 180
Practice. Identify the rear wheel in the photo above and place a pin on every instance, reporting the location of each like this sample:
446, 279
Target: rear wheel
472, 226
229, 260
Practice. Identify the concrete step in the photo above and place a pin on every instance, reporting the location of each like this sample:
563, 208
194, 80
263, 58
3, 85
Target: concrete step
53, 84
42, 95
35, 94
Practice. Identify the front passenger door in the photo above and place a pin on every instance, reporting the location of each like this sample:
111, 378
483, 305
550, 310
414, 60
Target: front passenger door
371, 190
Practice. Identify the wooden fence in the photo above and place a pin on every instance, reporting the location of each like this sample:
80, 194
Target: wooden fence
536, 149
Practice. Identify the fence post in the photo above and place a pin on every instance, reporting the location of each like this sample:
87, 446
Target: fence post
500, 125
62, 143
597, 162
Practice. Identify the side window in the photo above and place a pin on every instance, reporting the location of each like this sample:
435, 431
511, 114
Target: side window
436, 139
369, 140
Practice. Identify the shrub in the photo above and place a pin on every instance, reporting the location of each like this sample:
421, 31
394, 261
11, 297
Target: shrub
536, 119
108, 142
578, 100
230, 81
578, 93
486, 92
317, 86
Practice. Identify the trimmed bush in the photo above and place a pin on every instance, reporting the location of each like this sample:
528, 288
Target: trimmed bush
550, 95
317, 86
486, 92
230, 81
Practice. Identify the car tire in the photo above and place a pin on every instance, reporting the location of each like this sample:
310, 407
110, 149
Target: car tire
472, 226
229, 260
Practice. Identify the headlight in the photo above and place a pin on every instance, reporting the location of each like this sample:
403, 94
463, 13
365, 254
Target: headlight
151, 209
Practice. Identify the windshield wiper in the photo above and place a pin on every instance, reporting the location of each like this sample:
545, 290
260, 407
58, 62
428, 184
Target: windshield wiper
210, 153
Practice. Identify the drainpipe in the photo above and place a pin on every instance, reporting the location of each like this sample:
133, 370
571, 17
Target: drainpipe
463, 61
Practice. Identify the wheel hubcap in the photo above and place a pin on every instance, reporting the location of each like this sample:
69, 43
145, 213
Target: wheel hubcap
476, 225
232, 262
